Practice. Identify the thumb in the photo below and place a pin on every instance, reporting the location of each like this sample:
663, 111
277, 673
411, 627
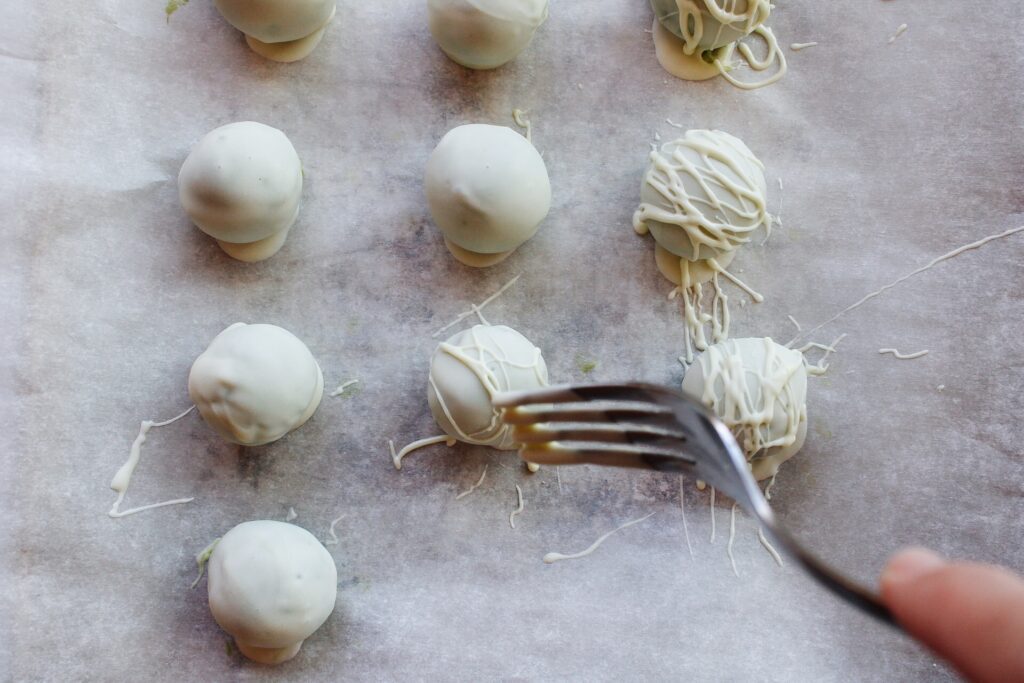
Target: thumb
970, 614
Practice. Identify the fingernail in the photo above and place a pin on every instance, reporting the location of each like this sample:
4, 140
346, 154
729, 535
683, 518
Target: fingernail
910, 565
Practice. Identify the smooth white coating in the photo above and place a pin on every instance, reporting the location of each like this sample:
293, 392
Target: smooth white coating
282, 30
255, 383
271, 585
484, 34
242, 184
487, 189
289, 50
703, 195
469, 369
758, 388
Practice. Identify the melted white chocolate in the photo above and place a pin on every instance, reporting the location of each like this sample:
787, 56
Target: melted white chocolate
123, 477
732, 537
551, 558
333, 540
904, 356
518, 509
759, 390
682, 510
474, 487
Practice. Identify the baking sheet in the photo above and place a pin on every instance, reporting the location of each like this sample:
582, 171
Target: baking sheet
890, 154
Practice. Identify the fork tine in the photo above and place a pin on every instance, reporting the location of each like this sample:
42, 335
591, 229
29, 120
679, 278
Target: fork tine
609, 432
577, 393
526, 415
625, 455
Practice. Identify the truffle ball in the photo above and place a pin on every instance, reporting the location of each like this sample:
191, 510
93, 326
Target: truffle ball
468, 369
710, 24
241, 184
255, 383
487, 189
484, 34
758, 388
282, 30
271, 585
703, 195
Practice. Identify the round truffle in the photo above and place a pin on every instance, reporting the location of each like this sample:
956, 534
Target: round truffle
241, 184
710, 24
468, 369
487, 189
758, 388
271, 586
703, 195
484, 34
255, 383
282, 30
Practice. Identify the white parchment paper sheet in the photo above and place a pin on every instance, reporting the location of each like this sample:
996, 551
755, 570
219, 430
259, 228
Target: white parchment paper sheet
890, 154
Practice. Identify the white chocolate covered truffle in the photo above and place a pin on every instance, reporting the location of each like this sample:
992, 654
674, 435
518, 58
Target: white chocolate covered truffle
281, 30
710, 24
255, 383
703, 195
695, 39
488, 191
759, 390
271, 586
242, 184
484, 34
468, 369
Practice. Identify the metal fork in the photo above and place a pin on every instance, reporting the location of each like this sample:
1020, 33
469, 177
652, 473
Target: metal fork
650, 427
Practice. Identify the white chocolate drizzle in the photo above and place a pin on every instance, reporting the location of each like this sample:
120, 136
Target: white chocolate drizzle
682, 510
728, 393
477, 308
904, 356
712, 506
760, 531
795, 323
519, 116
341, 390
396, 458
899, 32
819, 369
518, 509
769, 547
701, 217
931, 264
774, 55
732, 537
333, 540
202, 558
123, 476
551, 558
796, 47
474, 487
292, 514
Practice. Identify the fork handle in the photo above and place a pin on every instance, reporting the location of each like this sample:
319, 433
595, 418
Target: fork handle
864, 599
